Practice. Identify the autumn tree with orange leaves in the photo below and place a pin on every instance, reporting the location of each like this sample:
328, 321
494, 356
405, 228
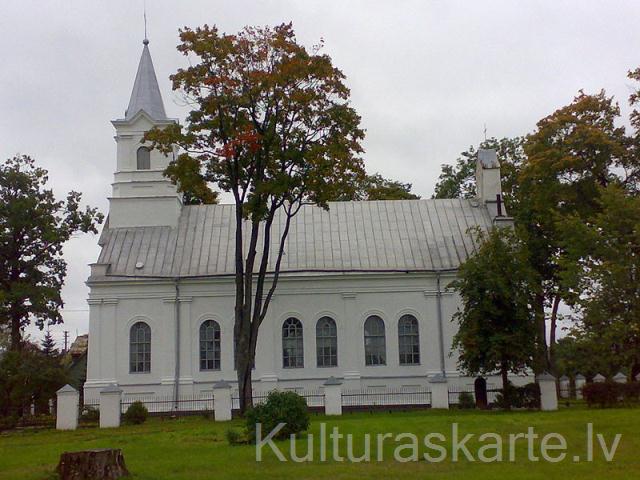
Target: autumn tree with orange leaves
271, 124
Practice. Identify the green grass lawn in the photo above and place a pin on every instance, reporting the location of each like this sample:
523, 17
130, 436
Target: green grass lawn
194, 448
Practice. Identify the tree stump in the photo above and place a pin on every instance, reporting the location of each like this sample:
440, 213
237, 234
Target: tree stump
102, 464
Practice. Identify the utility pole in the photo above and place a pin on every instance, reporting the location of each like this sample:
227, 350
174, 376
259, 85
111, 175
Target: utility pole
66, 340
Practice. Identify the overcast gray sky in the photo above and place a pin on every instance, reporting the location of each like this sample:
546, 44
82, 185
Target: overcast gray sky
425, 76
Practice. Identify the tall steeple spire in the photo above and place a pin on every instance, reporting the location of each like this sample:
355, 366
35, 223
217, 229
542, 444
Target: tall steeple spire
146, 93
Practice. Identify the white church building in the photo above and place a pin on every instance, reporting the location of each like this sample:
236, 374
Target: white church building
363, 294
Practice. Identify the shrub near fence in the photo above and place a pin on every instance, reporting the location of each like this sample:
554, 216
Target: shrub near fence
456, 392
314, 398
168, 406
609, 394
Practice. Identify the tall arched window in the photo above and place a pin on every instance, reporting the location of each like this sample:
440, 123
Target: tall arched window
327, 342
292, 344
140, 348
144, 158
375, 348
210, 345
408, 340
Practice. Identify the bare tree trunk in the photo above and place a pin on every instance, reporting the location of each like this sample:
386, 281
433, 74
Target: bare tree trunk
244, 383
504, 373
541, 363
240, 329
552, 333
251, 307
16, 335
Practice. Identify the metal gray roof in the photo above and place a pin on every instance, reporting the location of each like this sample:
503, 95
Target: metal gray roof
386, 236
146, 93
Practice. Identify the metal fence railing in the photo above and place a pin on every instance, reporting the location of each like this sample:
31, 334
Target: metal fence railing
314, 398
169, 406
455, 392
565, 392
371, 398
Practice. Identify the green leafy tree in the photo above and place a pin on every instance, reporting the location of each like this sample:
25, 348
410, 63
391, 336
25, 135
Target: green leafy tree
585, 353
187, 173
496, 325
634, 118
34, 226
602, 264
272, 125
376, 187
49, 345
28, 376
5, 338
573, 153
459, 180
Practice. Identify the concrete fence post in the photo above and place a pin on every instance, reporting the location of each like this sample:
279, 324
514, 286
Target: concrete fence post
110, 400
270, 383
222, 405
333, 396
439, 391
565, 386
548, 392
68, 406
580, 382
620, 378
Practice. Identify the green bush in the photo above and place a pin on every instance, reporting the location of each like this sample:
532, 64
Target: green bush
136, 414
527, 396
90, 414
530, 395
27, 377
466, 401
237, 436
280, 407
609, 394
8, 423
631, 392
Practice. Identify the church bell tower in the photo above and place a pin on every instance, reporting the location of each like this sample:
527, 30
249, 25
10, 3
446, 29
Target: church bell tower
142, 196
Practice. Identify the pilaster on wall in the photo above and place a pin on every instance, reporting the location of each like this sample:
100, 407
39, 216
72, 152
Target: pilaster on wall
349, 355
175, 343
103, 329
94, 365
186, 353
168, 366
268, 362
434, 357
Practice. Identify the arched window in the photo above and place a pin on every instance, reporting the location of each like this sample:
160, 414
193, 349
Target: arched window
140, 348
408, 340
144, 158
292, 344
210, 345
327, 342
374, 341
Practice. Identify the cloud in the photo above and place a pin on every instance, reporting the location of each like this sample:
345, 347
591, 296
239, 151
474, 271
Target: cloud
426, 76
